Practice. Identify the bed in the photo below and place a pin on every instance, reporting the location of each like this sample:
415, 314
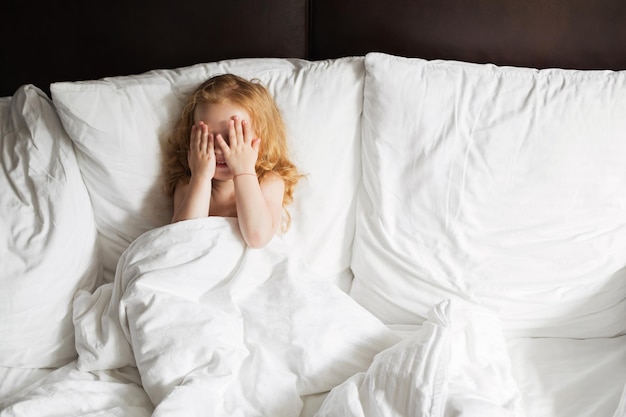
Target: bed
458, 246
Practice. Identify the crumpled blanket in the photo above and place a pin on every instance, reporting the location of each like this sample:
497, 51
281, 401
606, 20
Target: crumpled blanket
198, 324
219, 329
455, 365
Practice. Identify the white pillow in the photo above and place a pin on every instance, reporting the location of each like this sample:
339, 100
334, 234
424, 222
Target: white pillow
118, 125
47, 234
504, 186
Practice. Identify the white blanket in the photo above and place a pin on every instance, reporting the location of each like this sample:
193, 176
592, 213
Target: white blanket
68, 392
216, 328
213, 328
455, 365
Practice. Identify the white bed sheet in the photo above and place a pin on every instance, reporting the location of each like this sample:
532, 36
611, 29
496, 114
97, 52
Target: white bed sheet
110, 393
556, 378
69, 392
13, 380
560, 377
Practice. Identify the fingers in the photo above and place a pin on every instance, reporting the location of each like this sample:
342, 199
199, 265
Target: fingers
239, 132
221, 142
204, 138
240, 136
211, 144
194, 138
201, 140
234, 132
247, 132
256, 142
207, 138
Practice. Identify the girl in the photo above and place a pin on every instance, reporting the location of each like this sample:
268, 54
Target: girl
228, 157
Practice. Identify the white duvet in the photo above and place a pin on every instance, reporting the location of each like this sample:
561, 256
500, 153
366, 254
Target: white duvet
214, 328
455, 365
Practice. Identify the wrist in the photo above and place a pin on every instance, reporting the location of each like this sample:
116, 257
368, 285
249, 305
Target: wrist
241, 174
200, 178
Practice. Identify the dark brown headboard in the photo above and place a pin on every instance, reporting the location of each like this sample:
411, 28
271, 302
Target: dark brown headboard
45, 41
583, 34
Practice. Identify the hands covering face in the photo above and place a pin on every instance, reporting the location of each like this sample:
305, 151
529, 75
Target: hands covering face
201, 155
240, 151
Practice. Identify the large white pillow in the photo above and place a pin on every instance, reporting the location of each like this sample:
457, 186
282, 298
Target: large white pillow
47, 234
504, 186
118, 125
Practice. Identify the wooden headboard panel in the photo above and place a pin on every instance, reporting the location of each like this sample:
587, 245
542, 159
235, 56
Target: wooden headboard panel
44, 41
582, 34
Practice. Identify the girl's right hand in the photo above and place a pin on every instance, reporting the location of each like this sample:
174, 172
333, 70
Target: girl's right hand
201, 155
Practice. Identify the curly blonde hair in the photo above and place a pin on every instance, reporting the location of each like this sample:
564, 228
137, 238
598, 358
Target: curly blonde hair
266, 120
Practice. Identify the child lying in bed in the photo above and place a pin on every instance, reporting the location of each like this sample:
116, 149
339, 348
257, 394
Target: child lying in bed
228, 157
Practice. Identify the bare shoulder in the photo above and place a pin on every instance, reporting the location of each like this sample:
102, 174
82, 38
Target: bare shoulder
273, 180
273, 188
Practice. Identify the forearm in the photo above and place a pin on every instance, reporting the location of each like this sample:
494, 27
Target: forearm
255, 217
196, 200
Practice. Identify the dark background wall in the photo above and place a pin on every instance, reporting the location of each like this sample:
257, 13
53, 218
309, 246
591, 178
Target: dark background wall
45, 41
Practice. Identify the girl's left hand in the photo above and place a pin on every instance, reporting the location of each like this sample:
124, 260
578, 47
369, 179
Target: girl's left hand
242, 149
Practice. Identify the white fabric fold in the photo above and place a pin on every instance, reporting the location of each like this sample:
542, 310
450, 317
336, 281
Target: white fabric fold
68, 392
456, 364
216, 328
